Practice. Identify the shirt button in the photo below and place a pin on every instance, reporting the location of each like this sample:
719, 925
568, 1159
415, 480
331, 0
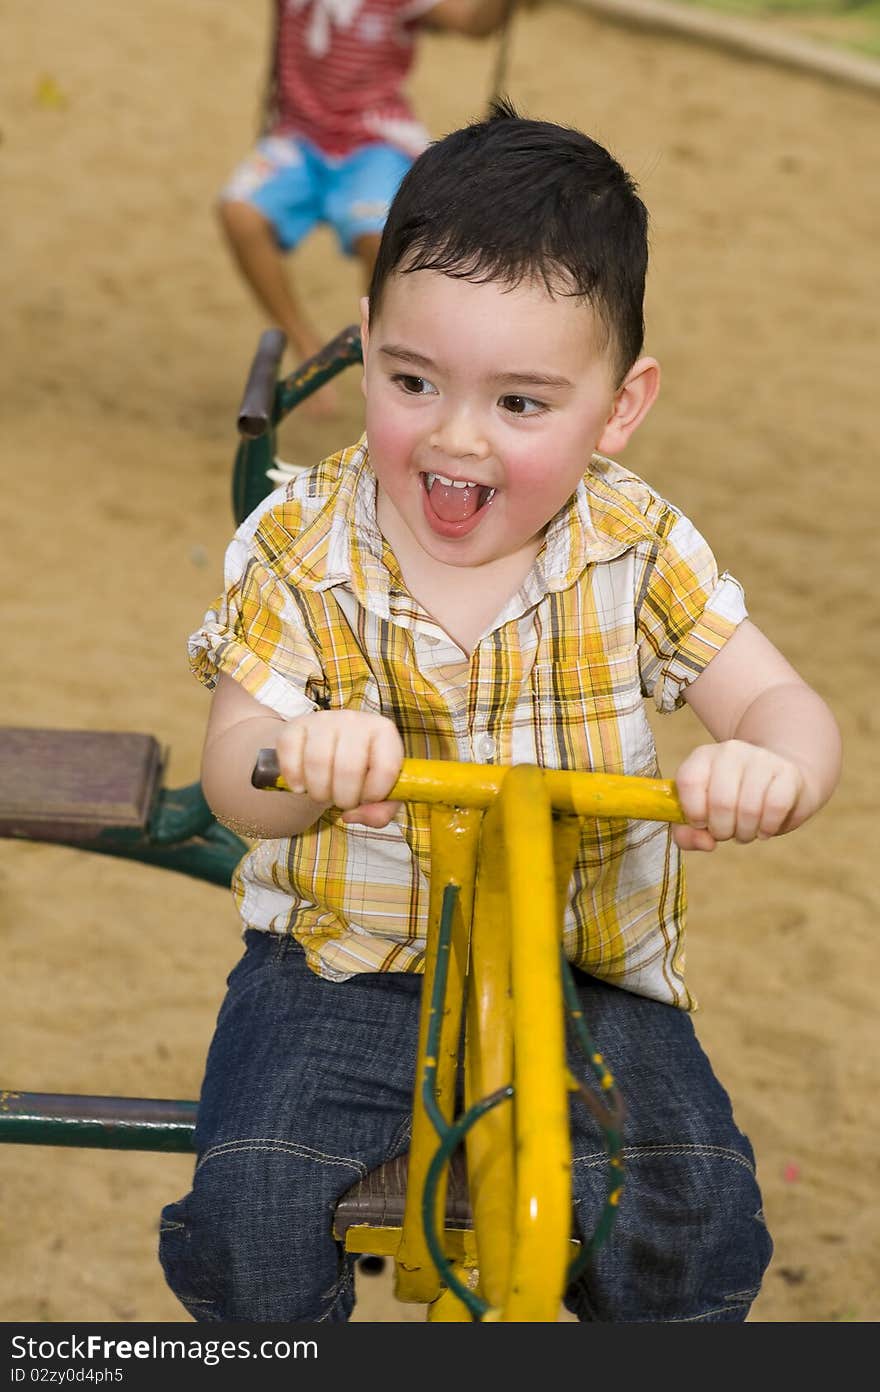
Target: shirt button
485, 748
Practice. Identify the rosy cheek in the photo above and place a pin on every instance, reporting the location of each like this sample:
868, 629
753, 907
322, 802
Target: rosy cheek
391, 441
387, 440
525, 476
535, 489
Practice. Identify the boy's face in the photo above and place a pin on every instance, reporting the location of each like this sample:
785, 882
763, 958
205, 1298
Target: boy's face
484, 405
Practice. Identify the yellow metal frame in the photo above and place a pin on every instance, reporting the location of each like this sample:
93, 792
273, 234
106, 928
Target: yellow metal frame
506, 838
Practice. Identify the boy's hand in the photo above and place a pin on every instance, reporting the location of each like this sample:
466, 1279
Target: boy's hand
734, 791
347, 759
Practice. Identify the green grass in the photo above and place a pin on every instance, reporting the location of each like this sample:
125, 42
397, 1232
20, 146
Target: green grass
851, 24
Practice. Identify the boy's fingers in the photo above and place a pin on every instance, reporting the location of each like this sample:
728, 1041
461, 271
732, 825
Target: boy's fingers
383, 769
734, 790
752, 802
779, 800
689, 838
379, 781
723, 794
692, 784
301, 752
318, 759
290, 757
349, 770
360, 765
372, 814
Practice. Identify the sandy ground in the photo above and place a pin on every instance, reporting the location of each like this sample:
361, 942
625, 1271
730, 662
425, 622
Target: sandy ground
126, 341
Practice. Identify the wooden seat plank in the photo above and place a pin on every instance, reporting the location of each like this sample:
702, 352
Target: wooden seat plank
76, 785
378, 1200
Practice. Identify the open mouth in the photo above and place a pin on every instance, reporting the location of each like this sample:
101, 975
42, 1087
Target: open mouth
454, 503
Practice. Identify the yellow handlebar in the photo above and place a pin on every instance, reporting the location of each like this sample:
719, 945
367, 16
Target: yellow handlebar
495, 839
443, 781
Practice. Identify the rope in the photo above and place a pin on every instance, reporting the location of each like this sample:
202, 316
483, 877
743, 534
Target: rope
499, 77
269, 102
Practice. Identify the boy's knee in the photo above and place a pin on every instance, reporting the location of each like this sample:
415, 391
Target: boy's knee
241, 221
689, 1243
242, 1247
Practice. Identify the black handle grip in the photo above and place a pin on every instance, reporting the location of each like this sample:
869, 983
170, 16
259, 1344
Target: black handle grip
266, 771
255, 412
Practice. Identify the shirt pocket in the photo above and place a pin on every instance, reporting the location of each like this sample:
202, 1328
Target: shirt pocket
590, 714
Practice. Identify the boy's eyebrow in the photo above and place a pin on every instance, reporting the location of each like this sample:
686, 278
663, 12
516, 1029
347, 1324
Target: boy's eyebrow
396, 350
533, 379
520, 379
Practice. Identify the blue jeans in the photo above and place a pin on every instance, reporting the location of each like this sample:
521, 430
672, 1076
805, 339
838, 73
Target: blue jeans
309, 1085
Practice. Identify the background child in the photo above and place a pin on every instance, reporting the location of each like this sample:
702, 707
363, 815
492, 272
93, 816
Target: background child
339, 136
478, 579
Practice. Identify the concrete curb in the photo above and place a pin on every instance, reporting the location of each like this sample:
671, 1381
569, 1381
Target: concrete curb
740, 36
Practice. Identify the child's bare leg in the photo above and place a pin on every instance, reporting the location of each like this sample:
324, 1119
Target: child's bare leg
261, 262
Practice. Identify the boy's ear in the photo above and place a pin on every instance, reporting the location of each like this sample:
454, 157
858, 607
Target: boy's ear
365, 321
365, 336
632, 402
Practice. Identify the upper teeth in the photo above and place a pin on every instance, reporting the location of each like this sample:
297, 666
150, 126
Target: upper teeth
450, 483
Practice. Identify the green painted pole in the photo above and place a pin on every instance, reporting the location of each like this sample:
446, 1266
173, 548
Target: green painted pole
98, 1123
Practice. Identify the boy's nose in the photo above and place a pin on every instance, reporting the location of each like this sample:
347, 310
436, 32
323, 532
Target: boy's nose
460, 436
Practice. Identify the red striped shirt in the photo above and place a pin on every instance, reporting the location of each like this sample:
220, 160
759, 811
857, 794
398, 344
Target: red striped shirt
339, 70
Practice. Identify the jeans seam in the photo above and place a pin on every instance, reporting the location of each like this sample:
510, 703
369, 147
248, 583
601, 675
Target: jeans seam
280, 947
402, 1138
707, 1314
600, 1157
341, 1289
284, 1147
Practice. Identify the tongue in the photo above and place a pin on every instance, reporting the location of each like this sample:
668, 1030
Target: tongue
454, 504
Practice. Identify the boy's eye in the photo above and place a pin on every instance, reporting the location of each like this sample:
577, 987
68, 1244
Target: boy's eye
413, 386
522, 405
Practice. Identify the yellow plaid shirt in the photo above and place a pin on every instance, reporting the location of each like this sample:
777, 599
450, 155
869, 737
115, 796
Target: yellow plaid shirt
624, 602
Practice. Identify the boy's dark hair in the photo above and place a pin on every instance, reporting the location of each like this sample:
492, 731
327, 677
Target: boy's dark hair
508, 199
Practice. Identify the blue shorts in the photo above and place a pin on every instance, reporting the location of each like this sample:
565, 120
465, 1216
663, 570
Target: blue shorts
296, 186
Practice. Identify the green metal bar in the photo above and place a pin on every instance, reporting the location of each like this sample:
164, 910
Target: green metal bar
182, 835
179, 813
256, 454
339, 353
452, 1137
212, 858
472, 1302
249, 482
97, 1123
610, 1118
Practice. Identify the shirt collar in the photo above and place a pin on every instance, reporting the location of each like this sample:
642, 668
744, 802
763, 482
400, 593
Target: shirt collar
597, 524
342, 544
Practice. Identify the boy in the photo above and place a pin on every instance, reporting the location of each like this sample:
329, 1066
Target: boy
476, 579
340, 135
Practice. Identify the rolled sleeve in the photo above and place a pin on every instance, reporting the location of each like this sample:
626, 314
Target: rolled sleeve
254, 634
686, 613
